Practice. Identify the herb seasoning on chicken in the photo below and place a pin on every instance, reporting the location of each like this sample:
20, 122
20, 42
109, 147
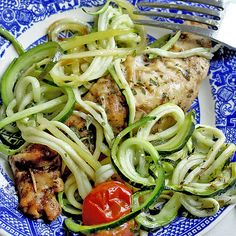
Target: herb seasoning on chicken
37, 176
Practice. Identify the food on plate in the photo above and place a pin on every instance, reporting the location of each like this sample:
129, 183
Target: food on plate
107, 127
37, 174
164, 79
108, 201
106, 93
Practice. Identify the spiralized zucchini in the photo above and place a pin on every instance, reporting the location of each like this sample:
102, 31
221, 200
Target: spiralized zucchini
185, 165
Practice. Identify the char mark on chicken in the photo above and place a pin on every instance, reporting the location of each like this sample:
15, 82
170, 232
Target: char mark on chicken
37, 174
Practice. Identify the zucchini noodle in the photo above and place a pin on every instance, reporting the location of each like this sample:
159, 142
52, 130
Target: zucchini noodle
30, 131
70, 189
99, 134
100, 11
125, 158
210, 156
185, 166
120, 80
163, 45
7, 35
74, 25
103, 34
167, 214
99, 65
68, 155
22, 87
203, 52
200, 207
45, 93
226, 198
66, 206
8, 151
104, 173
78, 147
100, 118
158, 113
3, 114
121, 52
32, 110
171, 42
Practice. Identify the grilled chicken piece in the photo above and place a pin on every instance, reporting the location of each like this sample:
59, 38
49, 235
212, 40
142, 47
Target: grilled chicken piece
106, 93
162, 80
37, 176
79, 126
154, 82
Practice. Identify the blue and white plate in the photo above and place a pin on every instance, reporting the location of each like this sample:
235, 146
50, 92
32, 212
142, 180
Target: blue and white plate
216, 105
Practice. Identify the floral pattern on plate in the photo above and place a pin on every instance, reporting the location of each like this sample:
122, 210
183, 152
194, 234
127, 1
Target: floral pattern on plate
18, 16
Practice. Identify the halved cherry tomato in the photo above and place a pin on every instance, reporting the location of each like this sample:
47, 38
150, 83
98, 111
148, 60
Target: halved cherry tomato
107, 202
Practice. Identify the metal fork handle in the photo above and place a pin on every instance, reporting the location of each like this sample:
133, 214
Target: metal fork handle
215, 3
201, 10
224, 34
172, 26
211, 22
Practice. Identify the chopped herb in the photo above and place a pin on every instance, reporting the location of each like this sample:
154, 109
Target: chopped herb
140, 83
164, 95
189, 95
214, 138
134, 91
143, 90
186, 74
153, 82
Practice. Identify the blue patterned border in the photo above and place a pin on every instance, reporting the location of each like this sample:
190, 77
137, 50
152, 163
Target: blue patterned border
18, 16
223, 84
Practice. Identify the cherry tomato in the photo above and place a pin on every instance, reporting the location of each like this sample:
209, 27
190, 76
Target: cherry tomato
107, 202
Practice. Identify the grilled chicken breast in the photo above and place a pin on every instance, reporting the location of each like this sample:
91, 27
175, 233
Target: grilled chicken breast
162, 80
37, 176
106, 93
154, 82
80, 127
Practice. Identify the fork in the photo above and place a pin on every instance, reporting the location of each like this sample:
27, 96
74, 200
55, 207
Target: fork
219, 19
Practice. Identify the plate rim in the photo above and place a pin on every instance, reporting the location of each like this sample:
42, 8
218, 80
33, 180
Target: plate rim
226, 211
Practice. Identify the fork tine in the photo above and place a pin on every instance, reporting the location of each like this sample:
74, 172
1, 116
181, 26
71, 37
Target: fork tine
198, 19
215, 3
205, 11
173, 26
